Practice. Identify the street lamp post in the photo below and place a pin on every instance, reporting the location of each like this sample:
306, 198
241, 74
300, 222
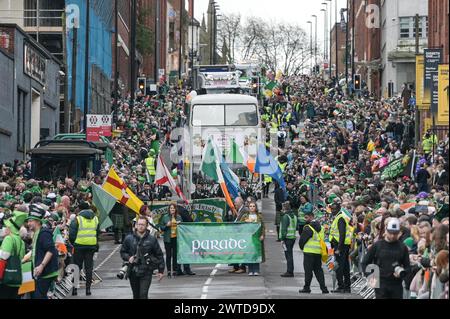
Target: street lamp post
337, 40
329, 36
311, 44
315, 45
324, 35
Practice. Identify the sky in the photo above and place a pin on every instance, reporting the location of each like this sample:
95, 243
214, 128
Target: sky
292, 11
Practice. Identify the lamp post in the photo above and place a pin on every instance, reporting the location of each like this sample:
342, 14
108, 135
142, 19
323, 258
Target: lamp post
315, 45
329, 36
324, 35
337, 40
311, 44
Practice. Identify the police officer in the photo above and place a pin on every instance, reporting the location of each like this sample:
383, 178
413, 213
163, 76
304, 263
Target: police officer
150, 163
309, 242
288, 227
341, 238
83, 234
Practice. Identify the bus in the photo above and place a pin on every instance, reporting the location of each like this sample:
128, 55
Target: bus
224, 118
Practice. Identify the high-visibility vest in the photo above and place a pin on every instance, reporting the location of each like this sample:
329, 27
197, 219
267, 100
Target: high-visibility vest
292, 227
312, 246
334, 231
273, 128
87, 231
267, 179
150, 163
283, 166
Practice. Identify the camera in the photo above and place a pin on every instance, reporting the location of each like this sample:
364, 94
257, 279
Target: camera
123, 273
399, 271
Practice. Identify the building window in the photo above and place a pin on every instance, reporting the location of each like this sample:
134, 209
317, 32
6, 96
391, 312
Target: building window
172, 37
21, 98
408, 27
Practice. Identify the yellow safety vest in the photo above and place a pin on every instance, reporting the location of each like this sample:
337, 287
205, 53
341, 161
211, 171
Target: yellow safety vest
267, 179
313, 244
273, 128
87, 231
283, 166
150, 163
291, 228
334, 231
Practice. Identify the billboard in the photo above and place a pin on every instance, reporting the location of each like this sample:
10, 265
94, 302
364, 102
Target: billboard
443, 94
433, 57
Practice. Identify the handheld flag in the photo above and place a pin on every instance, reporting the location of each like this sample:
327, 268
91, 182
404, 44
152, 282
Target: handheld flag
116, 187
267, 165
104, 203
211, 167
164, 178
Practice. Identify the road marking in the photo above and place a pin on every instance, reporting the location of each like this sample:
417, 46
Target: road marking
209, 281
107, 258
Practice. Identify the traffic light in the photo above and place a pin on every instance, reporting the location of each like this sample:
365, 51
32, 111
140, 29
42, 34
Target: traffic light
142, 85
255, 85
357, 81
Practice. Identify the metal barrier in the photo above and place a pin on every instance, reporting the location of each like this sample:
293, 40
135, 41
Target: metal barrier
65, 286
362, 287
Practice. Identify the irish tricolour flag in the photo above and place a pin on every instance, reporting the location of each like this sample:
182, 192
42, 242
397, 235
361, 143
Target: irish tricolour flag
210, 166
237, 155
28, 284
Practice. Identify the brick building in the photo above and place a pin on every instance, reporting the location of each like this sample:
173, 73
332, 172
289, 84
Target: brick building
438, 25
340, 47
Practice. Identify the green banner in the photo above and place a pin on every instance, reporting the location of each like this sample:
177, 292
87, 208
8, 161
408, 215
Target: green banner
202, 210
215, 243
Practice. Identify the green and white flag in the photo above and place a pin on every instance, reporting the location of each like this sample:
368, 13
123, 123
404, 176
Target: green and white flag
104, 203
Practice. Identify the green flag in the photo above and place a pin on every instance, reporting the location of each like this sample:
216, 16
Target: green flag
271, 85
235, 155
104, 203
209, 165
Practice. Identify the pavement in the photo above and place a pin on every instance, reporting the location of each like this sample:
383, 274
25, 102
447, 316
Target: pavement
214, 281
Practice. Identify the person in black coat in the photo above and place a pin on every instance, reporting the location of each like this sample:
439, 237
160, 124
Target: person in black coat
187, 218
142, 253
392, 257
279, 198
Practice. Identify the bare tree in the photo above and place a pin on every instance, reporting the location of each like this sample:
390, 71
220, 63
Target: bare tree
230, 31
279, 46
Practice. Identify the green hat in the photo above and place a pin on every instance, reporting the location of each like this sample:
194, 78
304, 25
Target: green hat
36, 212
331, 198
141, 179
16, 221
152, 152
409, 242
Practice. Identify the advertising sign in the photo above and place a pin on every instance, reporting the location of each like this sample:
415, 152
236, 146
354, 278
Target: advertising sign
433, 57
98, 125
443, 94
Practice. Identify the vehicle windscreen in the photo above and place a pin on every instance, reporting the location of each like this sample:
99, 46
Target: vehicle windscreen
225, 115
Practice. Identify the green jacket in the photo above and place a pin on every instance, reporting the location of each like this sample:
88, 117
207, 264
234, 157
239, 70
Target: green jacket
12, 245
163, 226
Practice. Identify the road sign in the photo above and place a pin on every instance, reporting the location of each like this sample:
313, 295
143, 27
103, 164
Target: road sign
98, 125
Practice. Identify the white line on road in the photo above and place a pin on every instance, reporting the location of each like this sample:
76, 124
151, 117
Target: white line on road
108, 258
209, 281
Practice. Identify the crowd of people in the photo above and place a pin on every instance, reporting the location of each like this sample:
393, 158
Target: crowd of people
334, 149
340, 167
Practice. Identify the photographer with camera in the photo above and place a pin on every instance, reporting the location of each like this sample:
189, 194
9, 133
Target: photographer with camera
392, 257
142, 254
